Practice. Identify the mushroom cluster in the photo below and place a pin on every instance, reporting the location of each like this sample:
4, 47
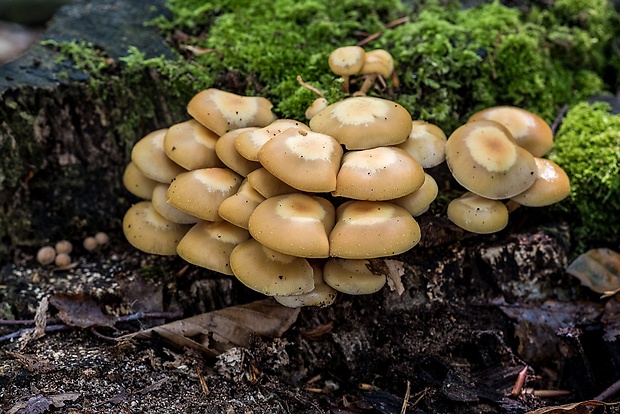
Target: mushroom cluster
293, 211
347, 61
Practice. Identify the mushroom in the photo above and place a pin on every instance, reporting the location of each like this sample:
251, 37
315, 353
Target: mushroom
315, 107
322, 295
149, 231
295, 224
46, 255
208, 244
381, 173
200, 192
137, 183
222, 111
267, 184
377, 62
168, 211
191, 145
63, 246
352, 276
418, 202
149, 156
305, 160
551, 186
270, 272
364, 122
528, 129
249, 143
426, 144
238, 208
228, 154
346, 61
370, 229
485, 159
478, 214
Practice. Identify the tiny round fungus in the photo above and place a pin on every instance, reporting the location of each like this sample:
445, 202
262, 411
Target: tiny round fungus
352, 276
168, 211
238, 208
200, 192
426, 144
137, 183
484, 158
63, 246
191, 145
46, 255
528, 129
382, 173
209, 244
376, 62
478, 214
249, 143
228, 154
346, 61
267, 184
551, 186
62, 260
90, 244
322, 295
102, 238
305, 160
270, 272
364, 122
149, 156
418, 202
149, 231
295, 224
370, 229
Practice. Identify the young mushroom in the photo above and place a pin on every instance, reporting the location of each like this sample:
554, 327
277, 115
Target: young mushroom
551, 186
426, 144
352, 276
149, 157
228, 154
249, 143
346, 61
238, 208
418, 202
191, 145
137, 183
477, 214
377, 62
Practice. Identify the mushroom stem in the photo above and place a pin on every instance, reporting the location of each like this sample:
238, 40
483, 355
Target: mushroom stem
345, 83
512, 205
310, 87
369, 80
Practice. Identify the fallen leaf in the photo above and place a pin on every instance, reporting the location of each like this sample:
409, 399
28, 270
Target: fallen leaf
598, 269
217, 331
394, 270
80, 311
582, 407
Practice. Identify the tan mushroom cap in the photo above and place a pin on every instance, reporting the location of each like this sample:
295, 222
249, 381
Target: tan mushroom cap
208, 244
249, 143
418, 202
228, 154
149, 231
305, 160
238, 208
378, 61
426, 144
200, 192
295, 224
478, 214
370, 229
315, 107
382, 173
149, 156
352, 276
222, 111
551, 186
191, 145
346, 60
270, 272
485, 159
137, 183
166, 210
322, 295
528, 129
362, 122
267, 184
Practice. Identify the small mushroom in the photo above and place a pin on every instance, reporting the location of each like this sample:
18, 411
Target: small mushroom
137, 183
168, 211
478, 214
377, 62
267, 184
322, 295
249, 143
315, 107
222, 111
63, 246
418, 202
426, 144
352, 276
551, 186
228, 154
149, 156
46, 255
346, 61
238, 208
191, 145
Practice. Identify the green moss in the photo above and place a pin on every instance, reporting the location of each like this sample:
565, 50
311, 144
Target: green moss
587, 147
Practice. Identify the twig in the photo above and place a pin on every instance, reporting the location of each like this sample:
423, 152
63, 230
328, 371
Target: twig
403, 410
48, 329
609, 392
518, 387
370, 38
9, 322
558, 119
308, 86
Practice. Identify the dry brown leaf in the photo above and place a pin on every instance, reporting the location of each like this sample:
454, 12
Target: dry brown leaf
215, 332
583, 407
80, 310
598, 269
394, 270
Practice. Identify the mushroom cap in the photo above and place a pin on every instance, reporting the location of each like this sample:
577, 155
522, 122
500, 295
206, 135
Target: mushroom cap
200, 192
551, 186
270, 272
322, 295
346, 60
228, 154
208, 244
46, 255
528, 129
267, 184
238, 208
370, 229
352, 276
378, 61
417, 203
305, 160
166, 210
478, 214
382, 173
147, 230
222, 111
295, 224
137, 183
315, 107
426, 144
149, 156
485, 159
191, 145
363, 122
249, 143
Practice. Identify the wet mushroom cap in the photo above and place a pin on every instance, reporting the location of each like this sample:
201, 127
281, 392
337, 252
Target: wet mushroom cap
528, 129
222, 111
364, 122
370, 229
267, 184
238, 208
352, 276
191, 145
484, 158
418, 202
169, 212
426, 144
228, 154
149, 231
149, 156
137, 183
478, 214
551, 186
346, 60
270, 272
249, 143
